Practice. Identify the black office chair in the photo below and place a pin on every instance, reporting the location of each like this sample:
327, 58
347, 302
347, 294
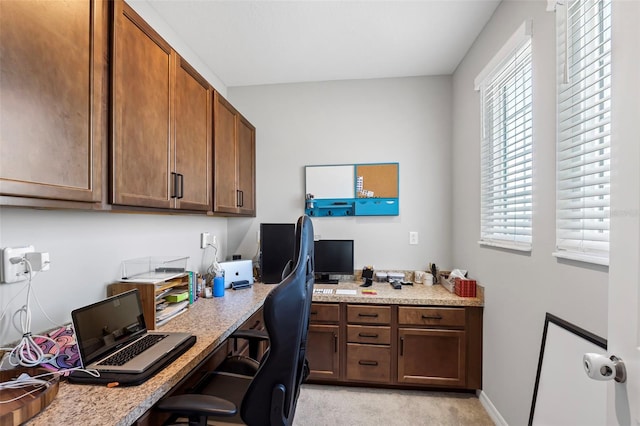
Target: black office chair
269, 397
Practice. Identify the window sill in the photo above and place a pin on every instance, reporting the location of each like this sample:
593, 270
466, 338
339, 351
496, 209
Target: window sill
581, 257
505, 245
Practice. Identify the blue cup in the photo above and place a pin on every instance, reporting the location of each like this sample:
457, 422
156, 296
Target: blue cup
218, 287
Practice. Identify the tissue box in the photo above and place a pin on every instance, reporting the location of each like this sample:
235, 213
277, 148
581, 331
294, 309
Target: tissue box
465, 287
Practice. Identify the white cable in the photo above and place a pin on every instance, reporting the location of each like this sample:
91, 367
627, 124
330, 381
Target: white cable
24, 380
27, 352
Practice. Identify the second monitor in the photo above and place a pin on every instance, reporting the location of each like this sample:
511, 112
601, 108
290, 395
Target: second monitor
332, 257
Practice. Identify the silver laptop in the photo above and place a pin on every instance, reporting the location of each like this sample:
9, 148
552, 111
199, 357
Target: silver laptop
236, 271
112, 336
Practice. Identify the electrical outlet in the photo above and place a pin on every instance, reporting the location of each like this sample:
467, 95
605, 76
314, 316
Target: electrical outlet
214, 240
14, 271
413, 237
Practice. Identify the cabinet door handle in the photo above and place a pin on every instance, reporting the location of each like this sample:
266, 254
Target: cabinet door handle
365, 362
401, 346
374, 335
238, 202
181, 178
432, 317
241, 198
368, 315
174, 189
335, 342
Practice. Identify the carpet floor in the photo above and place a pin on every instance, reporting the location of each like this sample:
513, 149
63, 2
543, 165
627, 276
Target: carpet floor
320, 405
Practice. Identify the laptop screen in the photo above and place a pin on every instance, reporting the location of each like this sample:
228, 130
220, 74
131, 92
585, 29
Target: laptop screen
107, 324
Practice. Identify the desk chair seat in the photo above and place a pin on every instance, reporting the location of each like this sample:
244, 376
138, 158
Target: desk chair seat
269, 397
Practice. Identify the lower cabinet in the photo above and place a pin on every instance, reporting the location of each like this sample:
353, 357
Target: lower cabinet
396, 346
323, 342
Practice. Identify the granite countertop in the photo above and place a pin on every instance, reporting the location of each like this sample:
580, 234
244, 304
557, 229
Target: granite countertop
210, 320
417, 294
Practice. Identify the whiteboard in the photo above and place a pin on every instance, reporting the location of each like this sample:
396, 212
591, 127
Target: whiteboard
564, 395
330, 181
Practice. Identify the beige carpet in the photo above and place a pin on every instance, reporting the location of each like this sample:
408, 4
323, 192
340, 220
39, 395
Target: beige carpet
320, 405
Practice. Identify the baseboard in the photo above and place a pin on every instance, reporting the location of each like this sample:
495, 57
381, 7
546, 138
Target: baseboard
491, 409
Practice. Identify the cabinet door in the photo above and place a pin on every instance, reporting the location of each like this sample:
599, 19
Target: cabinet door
141, 160
225, 196
193, 140
432, 357
323, 350
246, 167
53, 105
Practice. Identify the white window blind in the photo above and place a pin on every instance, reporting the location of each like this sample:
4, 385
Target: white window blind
584, 117
506, 152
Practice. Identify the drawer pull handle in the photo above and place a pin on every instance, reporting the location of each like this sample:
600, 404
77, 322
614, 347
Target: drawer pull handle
373, 335
432, 317
314, 312
364, 362
368, 315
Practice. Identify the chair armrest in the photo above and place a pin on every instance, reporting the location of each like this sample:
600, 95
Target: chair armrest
198, 405
259, 335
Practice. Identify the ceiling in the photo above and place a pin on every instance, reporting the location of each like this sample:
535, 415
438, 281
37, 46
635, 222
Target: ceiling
266, 42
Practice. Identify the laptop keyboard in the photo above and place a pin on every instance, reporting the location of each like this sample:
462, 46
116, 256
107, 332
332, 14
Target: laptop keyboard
133, 350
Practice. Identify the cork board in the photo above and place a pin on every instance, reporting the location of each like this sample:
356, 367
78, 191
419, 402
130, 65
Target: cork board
381, 179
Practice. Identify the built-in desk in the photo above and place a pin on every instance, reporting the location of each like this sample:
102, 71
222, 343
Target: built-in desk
210, 320
417, 337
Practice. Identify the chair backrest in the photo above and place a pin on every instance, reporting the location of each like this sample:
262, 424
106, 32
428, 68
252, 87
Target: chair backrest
272, 395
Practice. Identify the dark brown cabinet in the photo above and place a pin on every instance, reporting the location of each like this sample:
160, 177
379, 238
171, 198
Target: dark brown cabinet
193, 138
323, 342
368, 346
53, 107
161, 142
234, 161
397, 345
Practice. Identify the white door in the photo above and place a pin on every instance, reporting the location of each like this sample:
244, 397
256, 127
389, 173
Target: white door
623, 402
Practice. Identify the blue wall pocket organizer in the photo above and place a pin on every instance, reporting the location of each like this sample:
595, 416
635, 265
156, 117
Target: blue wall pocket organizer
343, 190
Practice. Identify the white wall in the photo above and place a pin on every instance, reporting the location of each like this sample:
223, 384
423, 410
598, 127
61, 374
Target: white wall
87, 249
520, 288
404, 120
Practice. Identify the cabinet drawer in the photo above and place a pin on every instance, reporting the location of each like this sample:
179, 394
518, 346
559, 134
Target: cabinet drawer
365, 334
368, 363
324, 312
367, 314
451, 317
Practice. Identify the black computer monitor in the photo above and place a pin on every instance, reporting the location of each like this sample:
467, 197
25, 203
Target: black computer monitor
277, 246
333, 257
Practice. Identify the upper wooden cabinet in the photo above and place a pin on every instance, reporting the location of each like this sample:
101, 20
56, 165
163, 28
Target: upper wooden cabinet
161, 147
53, 102
234, 160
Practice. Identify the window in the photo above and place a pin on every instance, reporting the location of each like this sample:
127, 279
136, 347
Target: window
584, 117
507, 158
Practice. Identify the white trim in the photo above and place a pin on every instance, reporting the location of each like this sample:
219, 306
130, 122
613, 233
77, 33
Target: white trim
524, 31
506, 245
553, 4
581, 257
491, 409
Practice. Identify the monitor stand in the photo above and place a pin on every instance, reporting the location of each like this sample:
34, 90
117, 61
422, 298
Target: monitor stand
324, 279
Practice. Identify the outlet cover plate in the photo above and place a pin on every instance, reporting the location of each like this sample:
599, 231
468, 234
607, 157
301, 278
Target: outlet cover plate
12, 273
